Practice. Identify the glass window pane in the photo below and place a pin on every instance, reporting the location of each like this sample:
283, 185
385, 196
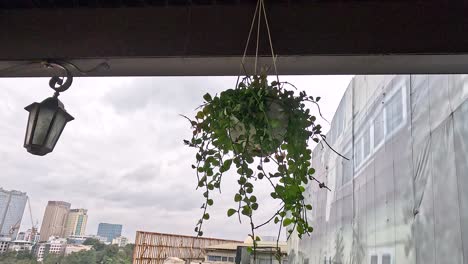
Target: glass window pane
378, 129
394, 109
366, 144
347, 166
373, 260
42, 125
358, 153
386, 259
32, 117
56, 130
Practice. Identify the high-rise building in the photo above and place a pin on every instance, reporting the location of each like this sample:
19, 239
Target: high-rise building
76, 222
12, 204
110, 231
55, 218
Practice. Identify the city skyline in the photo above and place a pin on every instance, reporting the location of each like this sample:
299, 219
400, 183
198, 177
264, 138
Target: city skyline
123, 157
73, 223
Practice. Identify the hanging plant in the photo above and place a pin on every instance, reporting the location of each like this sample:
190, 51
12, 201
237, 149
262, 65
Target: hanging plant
244, 128
262, 131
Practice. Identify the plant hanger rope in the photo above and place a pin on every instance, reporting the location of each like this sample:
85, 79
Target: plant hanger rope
260, 12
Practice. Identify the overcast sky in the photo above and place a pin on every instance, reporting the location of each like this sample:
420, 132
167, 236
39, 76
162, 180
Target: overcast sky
122, 158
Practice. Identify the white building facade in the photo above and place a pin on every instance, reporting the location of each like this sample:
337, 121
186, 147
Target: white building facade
4, 244
54, 245
400, 196
121, 241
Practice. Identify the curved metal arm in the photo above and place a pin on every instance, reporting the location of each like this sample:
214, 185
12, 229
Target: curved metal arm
56, 80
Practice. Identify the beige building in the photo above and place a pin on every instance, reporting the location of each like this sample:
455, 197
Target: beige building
76, 222
54, 221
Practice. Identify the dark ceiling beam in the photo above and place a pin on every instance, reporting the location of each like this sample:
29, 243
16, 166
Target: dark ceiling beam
351, 32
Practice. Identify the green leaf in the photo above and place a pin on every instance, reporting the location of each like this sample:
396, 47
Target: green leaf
242, 180
209, 202
250, 250
206, 216
254, 206
237, 197
231, 211
300, 229
207, 97
308, 207
287, 222
317, 98
200, 115
311, 171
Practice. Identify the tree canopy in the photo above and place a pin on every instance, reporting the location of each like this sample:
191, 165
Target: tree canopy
100, 253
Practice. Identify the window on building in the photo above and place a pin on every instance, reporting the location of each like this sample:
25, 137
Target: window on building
358, 153
225, 259
214, 258
373, 259
347, 167
264, 261
378, 129
386, 259
231, 259
366, 144
339, 173
394, 112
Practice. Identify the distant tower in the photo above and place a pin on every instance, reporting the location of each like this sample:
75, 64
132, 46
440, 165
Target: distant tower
110, 231
76, 222
12, 204
55, 218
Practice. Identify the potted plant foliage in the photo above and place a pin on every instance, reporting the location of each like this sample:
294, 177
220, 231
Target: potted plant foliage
244, 128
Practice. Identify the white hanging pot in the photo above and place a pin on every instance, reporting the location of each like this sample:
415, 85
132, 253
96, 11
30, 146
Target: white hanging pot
278, 120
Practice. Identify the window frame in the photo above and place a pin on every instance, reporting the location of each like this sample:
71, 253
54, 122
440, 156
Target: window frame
400, 86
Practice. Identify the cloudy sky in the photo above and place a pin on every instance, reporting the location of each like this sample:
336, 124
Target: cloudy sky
122, 157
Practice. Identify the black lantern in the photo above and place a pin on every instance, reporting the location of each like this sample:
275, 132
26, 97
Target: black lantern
47, 120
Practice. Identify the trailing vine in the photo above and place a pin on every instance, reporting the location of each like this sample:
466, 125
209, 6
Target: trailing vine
245, 129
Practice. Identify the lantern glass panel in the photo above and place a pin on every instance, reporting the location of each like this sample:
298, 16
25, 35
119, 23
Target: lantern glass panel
32, 118
43, 123
56, 129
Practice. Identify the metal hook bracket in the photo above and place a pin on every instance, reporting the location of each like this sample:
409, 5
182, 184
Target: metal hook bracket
57, 83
